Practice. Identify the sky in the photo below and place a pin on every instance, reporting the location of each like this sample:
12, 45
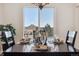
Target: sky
30, 16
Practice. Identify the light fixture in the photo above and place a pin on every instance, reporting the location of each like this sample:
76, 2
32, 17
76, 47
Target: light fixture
40, 5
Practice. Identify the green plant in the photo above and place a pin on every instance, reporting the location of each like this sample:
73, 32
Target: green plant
1, 27
11, 28
49, 29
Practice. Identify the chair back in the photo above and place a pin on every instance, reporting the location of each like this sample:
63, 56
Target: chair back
8, 39
71, 37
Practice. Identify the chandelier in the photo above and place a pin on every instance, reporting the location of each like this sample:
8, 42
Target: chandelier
40, 5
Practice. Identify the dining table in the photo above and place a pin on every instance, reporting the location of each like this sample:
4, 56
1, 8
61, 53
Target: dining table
62, 49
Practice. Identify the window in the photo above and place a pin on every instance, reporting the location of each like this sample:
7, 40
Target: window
31, 20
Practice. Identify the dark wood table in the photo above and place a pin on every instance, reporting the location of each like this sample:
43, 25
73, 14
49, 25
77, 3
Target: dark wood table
27, 50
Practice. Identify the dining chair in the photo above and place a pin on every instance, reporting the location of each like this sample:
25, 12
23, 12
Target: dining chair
71, 37
71, 48
8, 39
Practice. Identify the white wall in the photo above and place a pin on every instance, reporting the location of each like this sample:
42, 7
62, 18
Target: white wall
64, 19
13, 15
76, 22
1, 14
1, 20
67, 18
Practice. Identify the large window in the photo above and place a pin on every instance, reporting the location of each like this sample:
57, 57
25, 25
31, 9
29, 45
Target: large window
31, 20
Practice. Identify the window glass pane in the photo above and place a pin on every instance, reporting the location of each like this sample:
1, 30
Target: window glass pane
30, 16
47, 17
46, 20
